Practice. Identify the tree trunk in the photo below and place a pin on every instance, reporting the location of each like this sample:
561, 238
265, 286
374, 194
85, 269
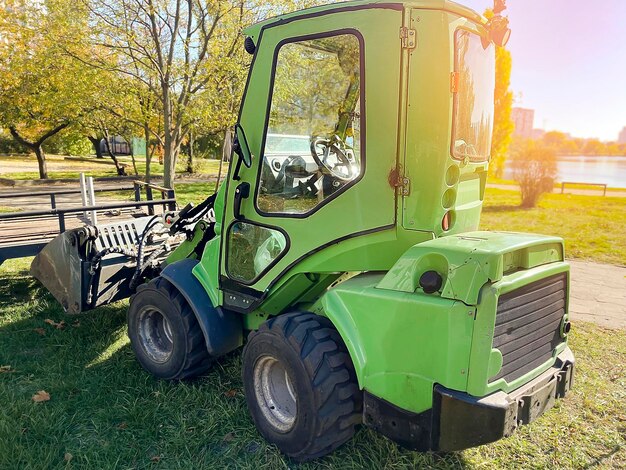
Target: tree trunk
169, 154
146, 135
118, 167
41, 161
190, 160
132, 157
96, 146
227, 148
36, 146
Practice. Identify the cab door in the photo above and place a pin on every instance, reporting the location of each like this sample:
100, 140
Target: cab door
319, 120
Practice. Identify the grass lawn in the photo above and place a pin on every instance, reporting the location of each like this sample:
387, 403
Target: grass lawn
106, 412
592, 226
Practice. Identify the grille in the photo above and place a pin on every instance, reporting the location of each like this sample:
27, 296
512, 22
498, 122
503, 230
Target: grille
528, 324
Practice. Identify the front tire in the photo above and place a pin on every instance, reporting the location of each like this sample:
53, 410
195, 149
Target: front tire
164, 332
300, 385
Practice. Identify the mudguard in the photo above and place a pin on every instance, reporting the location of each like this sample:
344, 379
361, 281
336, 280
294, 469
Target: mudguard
222, 329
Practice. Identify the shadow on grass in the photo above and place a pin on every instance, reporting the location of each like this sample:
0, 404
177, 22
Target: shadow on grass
600, 459
19, 287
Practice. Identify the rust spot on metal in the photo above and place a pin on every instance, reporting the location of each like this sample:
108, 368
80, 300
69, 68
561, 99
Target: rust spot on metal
395, 177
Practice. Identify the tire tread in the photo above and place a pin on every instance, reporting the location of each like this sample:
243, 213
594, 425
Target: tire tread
332, 374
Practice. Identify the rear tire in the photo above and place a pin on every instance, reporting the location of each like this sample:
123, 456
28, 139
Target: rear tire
165, 334
300, 385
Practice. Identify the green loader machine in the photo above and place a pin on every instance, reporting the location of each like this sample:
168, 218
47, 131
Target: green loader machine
342, 251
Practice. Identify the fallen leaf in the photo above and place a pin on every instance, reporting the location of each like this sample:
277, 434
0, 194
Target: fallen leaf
67, 457
231, 393
229, 437
41, 331
58, 326
5, 369
76, 324
156, 458
122, 425
40, 396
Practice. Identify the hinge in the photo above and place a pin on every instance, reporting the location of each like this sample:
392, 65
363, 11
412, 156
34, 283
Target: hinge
405, 186
408, 37
398, 180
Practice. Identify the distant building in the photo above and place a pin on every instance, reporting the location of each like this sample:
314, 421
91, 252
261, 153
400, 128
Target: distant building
538, 133
621, 139
523, 120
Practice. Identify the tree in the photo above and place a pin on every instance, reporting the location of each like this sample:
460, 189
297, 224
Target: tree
168, 46
534, 168
41, 89
503, 103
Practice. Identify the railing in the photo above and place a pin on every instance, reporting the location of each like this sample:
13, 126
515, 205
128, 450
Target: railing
61, 213
57, 192
24, 236
583, 184
166, 194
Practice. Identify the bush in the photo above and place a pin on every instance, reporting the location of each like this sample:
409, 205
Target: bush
68, 142
534, 168
8, 145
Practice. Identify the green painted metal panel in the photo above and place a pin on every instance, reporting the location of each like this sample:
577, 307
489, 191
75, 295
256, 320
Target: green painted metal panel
401, 343
467, 261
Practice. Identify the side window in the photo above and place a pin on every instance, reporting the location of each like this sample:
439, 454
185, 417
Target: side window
313, 139
252, 249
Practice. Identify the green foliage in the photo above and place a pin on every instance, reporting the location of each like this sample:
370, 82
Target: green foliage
43, 89
8, 145
70, 142
534, 168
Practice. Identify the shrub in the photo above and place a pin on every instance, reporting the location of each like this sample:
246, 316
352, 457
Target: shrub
534, 168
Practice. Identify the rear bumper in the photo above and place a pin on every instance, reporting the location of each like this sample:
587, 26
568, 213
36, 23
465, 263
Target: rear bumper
458, 421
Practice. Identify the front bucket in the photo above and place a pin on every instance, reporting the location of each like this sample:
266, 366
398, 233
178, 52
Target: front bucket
58, 268
66, 266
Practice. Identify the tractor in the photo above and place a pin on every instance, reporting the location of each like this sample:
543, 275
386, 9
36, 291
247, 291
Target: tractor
342, 252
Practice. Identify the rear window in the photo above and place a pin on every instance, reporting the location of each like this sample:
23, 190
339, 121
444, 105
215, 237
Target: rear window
473, 87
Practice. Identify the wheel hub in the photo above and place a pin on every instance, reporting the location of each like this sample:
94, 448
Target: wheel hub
275, 393
155, 334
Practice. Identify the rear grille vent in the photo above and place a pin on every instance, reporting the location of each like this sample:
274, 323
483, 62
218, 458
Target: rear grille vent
528, 324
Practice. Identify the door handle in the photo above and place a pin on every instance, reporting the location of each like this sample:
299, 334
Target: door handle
241, 192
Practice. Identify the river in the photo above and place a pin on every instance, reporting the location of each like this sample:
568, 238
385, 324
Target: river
597, 169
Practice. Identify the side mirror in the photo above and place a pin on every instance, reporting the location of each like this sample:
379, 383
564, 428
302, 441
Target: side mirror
240, 146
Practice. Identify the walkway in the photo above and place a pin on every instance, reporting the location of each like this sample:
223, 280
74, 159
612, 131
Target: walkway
598, 293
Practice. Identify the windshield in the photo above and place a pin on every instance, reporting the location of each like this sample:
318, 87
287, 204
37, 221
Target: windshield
288, 144
473, 84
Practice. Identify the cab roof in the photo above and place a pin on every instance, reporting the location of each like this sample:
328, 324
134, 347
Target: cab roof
446, 5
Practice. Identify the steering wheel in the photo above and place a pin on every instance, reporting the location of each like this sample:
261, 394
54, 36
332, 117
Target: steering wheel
344, 169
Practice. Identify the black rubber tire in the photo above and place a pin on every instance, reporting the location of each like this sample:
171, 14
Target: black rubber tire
329, 402
189, 356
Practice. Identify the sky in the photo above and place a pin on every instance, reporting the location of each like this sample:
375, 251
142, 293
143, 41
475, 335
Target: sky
569, 63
